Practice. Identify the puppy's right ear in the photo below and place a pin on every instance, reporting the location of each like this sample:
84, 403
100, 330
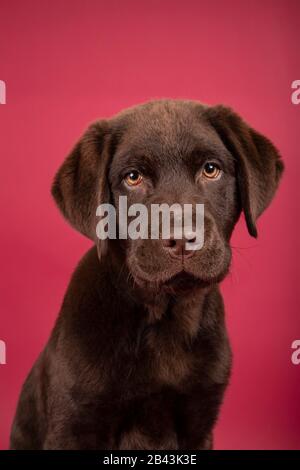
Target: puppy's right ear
259, 165
81, 183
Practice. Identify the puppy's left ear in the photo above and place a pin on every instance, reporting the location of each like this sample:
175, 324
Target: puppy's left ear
258, 163
81, 183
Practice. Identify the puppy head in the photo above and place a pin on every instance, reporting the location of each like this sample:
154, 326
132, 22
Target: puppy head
174, 152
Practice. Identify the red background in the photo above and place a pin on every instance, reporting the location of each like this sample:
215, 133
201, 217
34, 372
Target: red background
67, 63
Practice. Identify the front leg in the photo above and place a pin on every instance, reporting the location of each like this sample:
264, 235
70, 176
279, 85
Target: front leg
196, 416
81, 431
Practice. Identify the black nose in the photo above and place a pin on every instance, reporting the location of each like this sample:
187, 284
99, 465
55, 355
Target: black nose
177, 247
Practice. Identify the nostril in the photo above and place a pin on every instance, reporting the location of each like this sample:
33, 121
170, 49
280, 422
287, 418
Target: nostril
177, 247
172, 243
169, 243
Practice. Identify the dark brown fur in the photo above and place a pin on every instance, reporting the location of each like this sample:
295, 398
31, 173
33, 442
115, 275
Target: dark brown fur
139, 357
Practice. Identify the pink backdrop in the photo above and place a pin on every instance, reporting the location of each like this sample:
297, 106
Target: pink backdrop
67, 63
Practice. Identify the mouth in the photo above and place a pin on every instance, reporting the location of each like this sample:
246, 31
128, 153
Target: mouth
182, 281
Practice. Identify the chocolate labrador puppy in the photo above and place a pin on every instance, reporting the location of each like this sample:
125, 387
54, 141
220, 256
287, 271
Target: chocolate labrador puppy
139, 357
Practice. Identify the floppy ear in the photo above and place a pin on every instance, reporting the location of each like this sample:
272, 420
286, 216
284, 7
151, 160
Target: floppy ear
80, 184
259, 166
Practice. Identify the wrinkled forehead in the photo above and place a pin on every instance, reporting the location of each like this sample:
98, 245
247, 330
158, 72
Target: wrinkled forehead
168, 138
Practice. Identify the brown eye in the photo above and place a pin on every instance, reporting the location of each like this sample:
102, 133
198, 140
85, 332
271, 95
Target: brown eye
211, 171
134, 178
